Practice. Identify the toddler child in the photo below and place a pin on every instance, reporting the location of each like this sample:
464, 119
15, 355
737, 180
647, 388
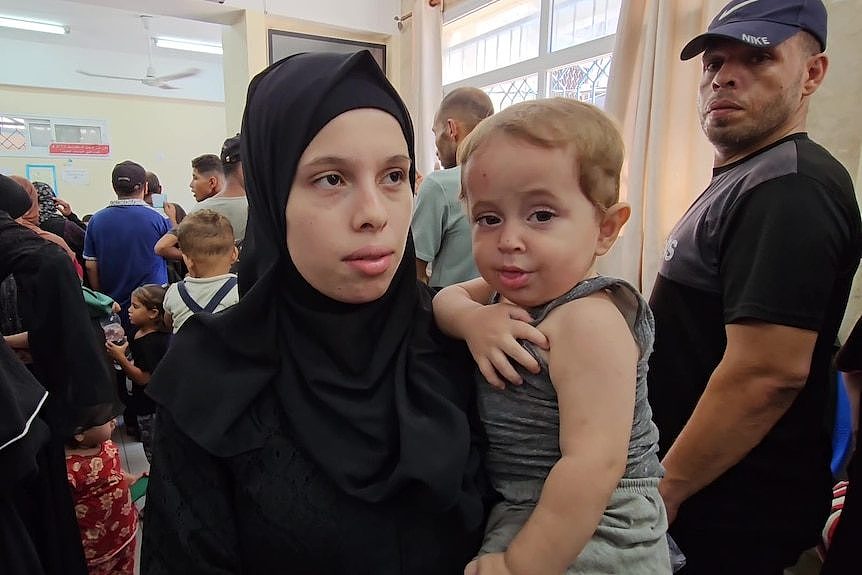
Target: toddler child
207, 243
572, 446
107, 518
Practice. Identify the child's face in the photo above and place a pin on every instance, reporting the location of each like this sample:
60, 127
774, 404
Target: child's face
96, 435
349, 207
139, 315
535, 233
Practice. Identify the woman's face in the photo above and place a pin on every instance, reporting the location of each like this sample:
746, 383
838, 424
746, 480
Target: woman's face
350, 206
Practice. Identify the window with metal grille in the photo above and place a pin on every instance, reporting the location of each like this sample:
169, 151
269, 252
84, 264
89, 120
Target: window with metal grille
519, 50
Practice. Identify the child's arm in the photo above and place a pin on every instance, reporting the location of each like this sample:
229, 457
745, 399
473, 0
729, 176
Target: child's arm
593, 365
491, 331
118, 352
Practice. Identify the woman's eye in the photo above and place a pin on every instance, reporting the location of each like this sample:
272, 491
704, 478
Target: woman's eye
395, 177
542, 215
329, 181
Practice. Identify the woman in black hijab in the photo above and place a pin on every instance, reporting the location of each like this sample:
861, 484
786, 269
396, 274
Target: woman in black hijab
319, 426
37, 516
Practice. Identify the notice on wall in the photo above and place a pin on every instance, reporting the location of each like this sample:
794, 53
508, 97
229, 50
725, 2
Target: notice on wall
46, 173
76, 176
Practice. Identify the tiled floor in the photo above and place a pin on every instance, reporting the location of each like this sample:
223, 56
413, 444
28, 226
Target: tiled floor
133, 461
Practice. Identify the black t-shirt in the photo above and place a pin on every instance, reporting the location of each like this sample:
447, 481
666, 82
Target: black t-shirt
775, 238
147, 352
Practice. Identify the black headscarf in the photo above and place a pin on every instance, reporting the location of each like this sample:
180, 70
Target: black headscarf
373, 393
14, 199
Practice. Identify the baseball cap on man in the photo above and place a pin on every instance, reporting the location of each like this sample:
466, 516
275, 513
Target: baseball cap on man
230, 150
127, 176
762, 23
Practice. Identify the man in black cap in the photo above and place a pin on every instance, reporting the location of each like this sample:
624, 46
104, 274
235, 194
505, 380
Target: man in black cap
749, 298
118, 247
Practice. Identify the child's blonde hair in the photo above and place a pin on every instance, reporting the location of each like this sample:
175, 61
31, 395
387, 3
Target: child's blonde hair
152, 296
205, 234
555, 123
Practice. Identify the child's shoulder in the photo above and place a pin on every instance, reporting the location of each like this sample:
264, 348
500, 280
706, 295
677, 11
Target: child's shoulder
576, 322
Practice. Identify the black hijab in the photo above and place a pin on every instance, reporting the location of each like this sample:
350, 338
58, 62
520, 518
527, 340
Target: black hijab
373, 393
14, 199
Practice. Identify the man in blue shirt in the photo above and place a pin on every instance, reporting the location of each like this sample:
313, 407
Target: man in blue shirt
118, 247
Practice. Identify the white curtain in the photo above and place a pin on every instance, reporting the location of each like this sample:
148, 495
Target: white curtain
426, 78
653, 95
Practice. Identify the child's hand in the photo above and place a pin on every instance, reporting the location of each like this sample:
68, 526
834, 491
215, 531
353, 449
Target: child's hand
117, 351
490, 564
492, 333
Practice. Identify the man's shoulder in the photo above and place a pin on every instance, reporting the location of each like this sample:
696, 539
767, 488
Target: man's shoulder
445, 178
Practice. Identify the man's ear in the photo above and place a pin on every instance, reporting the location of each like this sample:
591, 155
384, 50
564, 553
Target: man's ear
612, 221
815, 72
453, 129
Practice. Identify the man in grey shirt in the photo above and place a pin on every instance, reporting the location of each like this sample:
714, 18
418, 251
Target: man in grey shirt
441, 230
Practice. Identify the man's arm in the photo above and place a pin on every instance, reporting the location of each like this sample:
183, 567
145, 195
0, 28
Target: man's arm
429, 219
167, 247
764, 368
92, 268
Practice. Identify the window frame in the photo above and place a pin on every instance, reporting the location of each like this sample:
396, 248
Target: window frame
542, 64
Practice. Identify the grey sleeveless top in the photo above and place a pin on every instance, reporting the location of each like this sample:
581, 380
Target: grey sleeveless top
523, 422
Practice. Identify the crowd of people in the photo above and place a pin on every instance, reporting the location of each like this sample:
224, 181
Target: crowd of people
316, 393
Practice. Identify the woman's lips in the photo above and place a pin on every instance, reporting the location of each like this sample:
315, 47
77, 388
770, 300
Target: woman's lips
370, 261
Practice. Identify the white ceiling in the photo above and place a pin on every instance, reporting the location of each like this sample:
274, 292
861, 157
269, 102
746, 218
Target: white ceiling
107, 36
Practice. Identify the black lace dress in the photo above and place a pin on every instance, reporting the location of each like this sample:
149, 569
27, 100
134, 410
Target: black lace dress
271, 510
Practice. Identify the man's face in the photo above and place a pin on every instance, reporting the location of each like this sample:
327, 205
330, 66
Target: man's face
447, 147
749, 95
202, 186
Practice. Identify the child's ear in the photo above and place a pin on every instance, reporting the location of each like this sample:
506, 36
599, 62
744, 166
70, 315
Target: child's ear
186, 260
235, 255
79, 437
610, 225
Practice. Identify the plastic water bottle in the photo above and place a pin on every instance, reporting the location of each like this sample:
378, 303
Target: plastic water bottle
115, 333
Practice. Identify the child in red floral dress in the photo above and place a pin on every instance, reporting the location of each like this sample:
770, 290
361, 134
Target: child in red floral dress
107, 518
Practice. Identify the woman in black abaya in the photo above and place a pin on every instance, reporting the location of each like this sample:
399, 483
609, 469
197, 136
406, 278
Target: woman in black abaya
321, 425
38, 530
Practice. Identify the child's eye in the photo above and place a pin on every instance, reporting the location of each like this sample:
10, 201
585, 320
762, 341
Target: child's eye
541, 216
329, 181
488, 220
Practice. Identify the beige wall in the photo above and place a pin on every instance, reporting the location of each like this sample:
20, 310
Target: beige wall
162, 135
834, 120
246, 45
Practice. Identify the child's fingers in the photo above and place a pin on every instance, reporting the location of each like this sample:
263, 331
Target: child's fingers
519, 313
521, 330
522, 357
472, 568
490, 374
503, 365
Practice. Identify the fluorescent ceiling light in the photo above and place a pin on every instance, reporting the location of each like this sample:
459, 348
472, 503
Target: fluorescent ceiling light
189, 45
33, 26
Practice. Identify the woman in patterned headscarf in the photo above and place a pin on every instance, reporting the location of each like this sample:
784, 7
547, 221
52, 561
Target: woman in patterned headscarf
56, 216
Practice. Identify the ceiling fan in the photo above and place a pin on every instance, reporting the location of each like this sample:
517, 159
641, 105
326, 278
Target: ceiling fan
150, 79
